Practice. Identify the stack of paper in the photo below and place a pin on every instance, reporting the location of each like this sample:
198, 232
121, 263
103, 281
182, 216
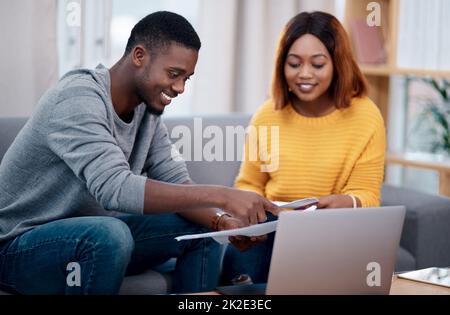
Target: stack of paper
222, 236
307, 204
433, 275
299, 204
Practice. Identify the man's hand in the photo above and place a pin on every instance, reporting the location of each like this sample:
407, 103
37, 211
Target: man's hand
248, 206
240, 242
337, 201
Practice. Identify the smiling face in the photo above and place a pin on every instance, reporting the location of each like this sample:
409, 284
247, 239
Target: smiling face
308, 69
163, 77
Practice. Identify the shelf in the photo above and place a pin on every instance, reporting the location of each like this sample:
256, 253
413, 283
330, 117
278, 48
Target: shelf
384, 70
381, 70
379, 79
421, 160
427, 161
389, 27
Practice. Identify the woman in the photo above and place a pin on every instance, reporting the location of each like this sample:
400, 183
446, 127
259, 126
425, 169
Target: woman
331, 136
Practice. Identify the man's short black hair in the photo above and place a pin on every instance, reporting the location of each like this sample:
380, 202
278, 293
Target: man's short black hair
157, 30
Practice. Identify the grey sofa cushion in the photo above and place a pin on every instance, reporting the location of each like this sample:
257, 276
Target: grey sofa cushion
147, 283
405, 261
212, 172
426, 230
9, 128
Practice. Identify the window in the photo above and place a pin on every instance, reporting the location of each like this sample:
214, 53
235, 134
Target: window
93, 32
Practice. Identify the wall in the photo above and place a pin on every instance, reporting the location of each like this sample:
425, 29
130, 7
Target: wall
28, 56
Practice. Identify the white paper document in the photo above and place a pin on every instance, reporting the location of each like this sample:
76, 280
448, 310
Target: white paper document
222, 236
299, 204
252, 230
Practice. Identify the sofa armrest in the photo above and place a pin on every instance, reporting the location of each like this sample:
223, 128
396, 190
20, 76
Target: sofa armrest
426, 230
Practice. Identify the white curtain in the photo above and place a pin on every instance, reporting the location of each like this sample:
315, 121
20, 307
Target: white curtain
239, 39
235, 65
28, 56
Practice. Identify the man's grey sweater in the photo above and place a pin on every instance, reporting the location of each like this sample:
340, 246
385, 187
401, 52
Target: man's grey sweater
76, 157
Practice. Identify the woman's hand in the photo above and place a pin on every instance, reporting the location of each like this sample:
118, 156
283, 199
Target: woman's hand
239, 241
337, 201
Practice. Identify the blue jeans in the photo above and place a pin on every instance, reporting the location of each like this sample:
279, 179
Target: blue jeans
105, 249
254, 262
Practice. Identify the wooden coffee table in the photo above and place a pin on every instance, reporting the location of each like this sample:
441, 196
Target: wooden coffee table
408, 287
399, 287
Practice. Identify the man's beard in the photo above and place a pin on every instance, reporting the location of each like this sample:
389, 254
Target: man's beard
149, 107
152, 110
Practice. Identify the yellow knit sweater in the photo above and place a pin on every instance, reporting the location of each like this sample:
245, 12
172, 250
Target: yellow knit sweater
340, 153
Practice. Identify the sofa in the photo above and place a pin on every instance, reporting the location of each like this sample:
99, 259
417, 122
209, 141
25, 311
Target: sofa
425, 239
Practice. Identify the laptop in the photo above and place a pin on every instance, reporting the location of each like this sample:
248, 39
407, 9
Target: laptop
332, 251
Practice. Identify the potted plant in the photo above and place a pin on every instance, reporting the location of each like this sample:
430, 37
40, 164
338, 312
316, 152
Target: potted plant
431, 130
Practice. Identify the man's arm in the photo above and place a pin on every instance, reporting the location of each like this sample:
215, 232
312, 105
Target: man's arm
79, 132
205, 216
247, 206
201, 216
165, 167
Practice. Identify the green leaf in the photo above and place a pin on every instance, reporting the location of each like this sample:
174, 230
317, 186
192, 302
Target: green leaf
439, 117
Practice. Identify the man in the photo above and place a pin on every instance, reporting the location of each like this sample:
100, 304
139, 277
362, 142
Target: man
82, 181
